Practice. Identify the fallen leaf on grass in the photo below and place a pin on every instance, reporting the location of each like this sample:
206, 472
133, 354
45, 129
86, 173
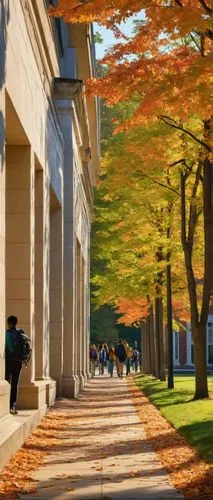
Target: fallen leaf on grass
188, 472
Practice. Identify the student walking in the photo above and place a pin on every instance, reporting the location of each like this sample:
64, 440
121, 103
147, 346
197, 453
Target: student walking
135, 359
93, 359
102, 359
17, 352
121, 357
128, 357
112, 358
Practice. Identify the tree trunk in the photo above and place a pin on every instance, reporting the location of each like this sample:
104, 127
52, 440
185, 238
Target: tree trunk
146, 347
162, 341
150, 353
198, 322
142, 348
153, 353
201, 385
157, 338
169, 327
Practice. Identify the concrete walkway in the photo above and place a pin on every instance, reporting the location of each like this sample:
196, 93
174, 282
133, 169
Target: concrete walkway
105, 453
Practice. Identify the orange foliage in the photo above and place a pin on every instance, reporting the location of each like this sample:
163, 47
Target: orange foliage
168, 75
180, 309
133, 310
166, 65
109, 13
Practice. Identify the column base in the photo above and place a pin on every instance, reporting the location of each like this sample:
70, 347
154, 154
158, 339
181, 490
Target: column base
32, 395
70, 386
81, 381
4, 398
50, 391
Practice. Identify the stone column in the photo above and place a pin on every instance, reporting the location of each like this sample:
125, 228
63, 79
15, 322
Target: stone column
39, 275
56, 296
83, 315
4, 386
79, 314
87, 300
85, 320
20, 260
42, 282
70, 383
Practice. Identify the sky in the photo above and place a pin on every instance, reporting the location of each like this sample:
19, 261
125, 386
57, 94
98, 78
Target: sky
109, 39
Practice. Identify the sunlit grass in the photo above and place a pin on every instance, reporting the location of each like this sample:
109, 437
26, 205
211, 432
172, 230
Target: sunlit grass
193, 419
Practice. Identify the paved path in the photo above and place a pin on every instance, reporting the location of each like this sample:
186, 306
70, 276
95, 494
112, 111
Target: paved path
105, 454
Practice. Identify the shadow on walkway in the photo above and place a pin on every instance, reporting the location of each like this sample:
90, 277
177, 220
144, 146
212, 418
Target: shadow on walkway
101, 451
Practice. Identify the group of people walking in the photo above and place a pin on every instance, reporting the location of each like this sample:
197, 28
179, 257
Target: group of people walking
114, 357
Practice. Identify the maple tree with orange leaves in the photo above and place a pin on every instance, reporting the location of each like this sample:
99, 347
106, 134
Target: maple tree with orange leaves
133, 181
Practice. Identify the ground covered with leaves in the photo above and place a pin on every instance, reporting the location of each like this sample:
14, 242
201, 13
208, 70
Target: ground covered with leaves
16, 476
188, 471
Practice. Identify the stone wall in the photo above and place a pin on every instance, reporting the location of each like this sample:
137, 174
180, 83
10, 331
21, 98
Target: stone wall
49, 154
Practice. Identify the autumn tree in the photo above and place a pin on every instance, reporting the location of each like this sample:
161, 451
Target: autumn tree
167, 68
132, 216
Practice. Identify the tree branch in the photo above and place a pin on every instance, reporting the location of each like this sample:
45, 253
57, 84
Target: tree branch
206, 7
193, 212
183, 162
188, 254
183, 210
172, 123
196, 43
161, 184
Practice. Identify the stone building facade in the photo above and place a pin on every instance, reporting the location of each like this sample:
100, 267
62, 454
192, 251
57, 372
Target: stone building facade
49, 161
183, 347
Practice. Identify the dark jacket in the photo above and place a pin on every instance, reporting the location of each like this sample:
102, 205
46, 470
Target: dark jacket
120, 352
10, 344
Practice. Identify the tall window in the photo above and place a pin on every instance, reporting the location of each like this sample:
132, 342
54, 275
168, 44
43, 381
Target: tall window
176, 347
192, 350
57, 22
209, 343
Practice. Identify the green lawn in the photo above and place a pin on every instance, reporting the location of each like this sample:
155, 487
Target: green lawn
193, 419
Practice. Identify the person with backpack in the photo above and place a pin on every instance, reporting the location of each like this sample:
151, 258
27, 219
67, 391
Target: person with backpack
128, 357
121, 357
93, 358
17, 353
112, 359
107, 356
102, 359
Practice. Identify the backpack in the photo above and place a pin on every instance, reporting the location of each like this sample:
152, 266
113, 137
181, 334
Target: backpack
93, 354
135, 356
120, 352
112, 356
102, 356
129, 353
21, 347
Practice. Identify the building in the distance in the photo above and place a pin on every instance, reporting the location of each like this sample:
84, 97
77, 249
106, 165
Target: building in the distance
49, 162
183, 347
